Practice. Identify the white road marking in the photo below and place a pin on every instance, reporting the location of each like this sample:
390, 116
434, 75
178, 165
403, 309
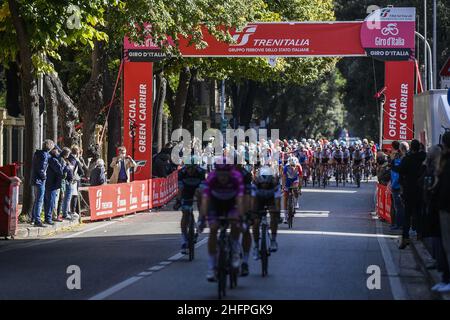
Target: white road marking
116, 288
397, 289
311, 214
327, 191
343, 234
155, 268
122, 285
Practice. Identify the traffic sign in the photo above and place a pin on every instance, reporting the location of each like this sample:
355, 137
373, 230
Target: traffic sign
445, 71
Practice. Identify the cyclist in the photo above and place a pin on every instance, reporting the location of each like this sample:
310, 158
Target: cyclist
358, 158
292, 175
223, 195
338, 159
325, 156
266, 192
346, 159
191, 178
246, 237
368, 159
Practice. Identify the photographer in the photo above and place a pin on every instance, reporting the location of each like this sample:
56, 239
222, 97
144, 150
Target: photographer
121, 165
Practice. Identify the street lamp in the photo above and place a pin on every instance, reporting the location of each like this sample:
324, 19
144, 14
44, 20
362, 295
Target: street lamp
430, 70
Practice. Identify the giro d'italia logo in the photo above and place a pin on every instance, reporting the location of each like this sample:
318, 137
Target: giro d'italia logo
242, 37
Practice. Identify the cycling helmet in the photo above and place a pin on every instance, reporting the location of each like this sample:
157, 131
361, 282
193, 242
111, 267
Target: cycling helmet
291, 161
265, 175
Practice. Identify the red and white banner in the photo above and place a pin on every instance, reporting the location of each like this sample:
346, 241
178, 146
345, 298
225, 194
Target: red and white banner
398, 107
113, 200
283, 39
138, 100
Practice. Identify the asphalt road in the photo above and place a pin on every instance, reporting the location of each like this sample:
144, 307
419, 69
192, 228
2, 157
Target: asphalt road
325, 256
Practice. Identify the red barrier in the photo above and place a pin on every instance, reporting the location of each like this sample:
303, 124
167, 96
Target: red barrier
381, 194
388, 205
113, 200
384, 202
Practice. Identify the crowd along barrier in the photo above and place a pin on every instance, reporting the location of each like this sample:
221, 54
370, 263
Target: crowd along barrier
111, 200
384, 202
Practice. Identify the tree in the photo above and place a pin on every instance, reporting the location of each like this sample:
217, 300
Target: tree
35, 30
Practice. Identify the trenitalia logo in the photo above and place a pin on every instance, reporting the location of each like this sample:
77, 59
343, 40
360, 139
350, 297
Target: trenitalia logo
244, 36
385, 12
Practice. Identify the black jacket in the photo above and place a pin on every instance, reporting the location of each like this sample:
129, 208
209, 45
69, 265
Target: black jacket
410, 170
444, 183
97, 177
39, 167
55, 173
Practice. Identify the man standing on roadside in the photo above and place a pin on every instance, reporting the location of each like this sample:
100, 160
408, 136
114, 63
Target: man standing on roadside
38, 178
444, 198
410, 170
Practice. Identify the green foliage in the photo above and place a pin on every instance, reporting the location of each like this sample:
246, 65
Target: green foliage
47, 26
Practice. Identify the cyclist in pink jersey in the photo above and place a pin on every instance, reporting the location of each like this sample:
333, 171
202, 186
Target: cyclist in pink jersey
223, 195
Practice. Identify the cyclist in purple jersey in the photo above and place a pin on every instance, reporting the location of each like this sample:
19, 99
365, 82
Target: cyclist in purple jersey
222, 196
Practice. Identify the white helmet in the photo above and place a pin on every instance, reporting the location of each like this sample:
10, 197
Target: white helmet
291, 161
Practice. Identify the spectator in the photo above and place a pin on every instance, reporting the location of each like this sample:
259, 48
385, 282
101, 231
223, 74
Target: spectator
395, 149
38, 178
431, 222
121, 165
78, 173
383, 171
97, 176
52, 186
66, 188
399, 209
443, 192
410, 172
161, 165
94, 155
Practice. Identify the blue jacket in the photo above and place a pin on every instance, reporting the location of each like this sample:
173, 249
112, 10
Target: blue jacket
55, 174
39, 167
395, 176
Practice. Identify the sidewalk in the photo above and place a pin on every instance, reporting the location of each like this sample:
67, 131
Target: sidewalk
424, 258
27, 230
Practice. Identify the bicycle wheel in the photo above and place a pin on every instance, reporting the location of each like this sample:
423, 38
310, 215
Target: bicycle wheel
264, 250
291, 211
221, 271
344, 176
337, 177
191, 236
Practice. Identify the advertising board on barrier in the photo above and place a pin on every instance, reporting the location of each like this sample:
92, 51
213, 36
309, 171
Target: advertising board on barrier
112, 200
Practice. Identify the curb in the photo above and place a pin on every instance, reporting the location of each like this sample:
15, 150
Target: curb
26, 230
422, 255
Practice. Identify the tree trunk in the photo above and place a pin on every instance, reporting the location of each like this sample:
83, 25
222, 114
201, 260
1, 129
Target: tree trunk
91, 97
161, 85
65, 108
30, 102
51, 101
165, 124
180, 101
247, 106
188, 119
113, 121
